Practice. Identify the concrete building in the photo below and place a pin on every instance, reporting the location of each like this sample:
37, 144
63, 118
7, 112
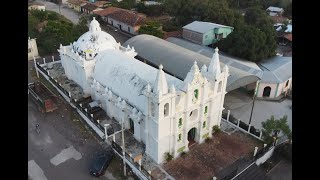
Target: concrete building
123, 19
275, 11
32, 49
36, 6
205, 33
165, 113
76, 4
276, 80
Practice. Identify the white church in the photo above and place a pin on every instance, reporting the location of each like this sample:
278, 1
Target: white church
166, 113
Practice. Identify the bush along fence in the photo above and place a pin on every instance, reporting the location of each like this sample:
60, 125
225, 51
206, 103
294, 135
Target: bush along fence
81, 105
237, 123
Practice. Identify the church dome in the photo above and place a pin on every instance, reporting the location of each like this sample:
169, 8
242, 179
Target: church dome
94, 41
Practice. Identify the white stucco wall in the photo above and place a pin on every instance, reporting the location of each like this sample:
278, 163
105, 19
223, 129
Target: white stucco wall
124, 27
276, 89
158, 131
32, 49
263, 85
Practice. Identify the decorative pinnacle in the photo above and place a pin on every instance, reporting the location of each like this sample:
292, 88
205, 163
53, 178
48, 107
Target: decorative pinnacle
94, 18
195, 63
160, 67
216, 49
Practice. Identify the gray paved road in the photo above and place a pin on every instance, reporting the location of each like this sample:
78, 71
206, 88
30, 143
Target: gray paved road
65, 11
64, 149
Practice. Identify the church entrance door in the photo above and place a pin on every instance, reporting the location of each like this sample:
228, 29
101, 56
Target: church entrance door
191, 136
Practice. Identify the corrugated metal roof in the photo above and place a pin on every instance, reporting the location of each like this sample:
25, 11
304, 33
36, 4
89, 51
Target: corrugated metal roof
243, 65
277, 69
203, 27
178, 61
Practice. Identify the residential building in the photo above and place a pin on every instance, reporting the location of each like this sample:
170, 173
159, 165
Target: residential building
123, 19
90, 8
36, 6
32, 49
276, 79
275, 11
165, 113
205, 33
76, 4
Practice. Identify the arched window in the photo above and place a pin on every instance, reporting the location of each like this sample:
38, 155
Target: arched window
219, 86
166, 109
180, 123
196, 93
179, 137
204, 124
287, 83
206, 110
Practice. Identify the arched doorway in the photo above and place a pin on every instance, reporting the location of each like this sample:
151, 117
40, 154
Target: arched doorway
266, 91
191, 136
131, 126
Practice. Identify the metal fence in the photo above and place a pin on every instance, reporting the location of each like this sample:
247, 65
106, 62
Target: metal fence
240, 124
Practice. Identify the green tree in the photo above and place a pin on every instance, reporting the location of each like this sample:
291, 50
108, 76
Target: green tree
218, 11
125, 4
245, 42
272, 128
152, 28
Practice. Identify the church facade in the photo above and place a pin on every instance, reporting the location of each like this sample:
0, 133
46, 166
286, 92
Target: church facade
165, 113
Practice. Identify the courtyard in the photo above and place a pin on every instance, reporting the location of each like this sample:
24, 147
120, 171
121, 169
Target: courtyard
215, 156
240, 105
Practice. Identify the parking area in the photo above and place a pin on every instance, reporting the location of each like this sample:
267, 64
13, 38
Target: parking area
240, 106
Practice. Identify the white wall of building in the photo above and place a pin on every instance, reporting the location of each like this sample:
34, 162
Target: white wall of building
32, 49
124, 27
159, 127
276, 88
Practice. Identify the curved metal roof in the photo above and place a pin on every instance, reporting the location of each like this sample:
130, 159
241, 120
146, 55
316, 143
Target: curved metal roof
178, 61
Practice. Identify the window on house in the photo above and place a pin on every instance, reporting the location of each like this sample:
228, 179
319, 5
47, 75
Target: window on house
196, 93
128, 29
206, 110
180, 123
166, 109
29, 50
206, 36
219, 86
179, 137
287, 83
204, 124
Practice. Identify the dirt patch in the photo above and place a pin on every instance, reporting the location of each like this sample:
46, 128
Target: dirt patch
205, 160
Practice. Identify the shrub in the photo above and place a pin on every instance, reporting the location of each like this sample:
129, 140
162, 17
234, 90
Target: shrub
168, 156
216, 129
183, 154
207, 140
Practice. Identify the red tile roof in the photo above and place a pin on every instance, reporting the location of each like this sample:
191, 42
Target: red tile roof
288, 36
77, 2
107, 11
128, 17
89, 6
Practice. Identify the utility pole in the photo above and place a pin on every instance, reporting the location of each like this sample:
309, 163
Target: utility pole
254, 96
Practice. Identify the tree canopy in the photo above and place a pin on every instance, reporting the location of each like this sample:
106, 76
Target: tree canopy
52, 29
272, 128
152, 28
253, 37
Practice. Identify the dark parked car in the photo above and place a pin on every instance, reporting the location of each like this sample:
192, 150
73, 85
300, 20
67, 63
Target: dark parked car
101, 163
